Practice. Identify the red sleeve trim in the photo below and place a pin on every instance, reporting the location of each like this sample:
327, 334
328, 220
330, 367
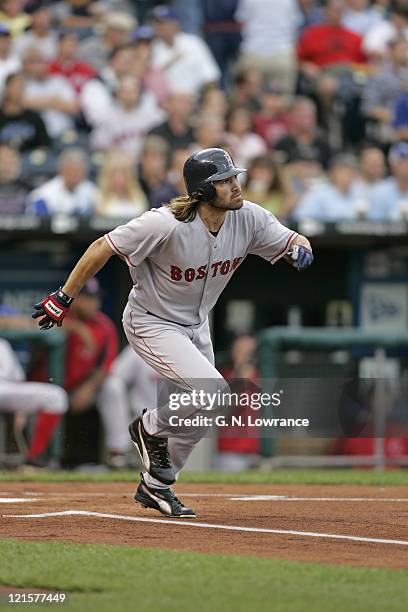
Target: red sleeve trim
289, 240
118, 251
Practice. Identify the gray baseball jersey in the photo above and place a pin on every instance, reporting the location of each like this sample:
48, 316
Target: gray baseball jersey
180, 269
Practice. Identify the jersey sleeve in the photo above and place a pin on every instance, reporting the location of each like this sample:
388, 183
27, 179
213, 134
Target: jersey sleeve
271, 239
136, 240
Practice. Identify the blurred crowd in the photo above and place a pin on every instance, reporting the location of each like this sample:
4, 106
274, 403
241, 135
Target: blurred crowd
102, 101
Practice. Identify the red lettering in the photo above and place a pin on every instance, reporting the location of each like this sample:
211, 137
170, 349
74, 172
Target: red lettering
236, 262
215, 267
189, 274
201, 272
175, 273
225, 267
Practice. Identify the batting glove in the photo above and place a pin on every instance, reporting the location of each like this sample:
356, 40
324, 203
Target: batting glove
53, 309
301, 257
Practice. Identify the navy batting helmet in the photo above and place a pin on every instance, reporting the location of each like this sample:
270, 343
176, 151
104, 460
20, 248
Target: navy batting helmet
204, 167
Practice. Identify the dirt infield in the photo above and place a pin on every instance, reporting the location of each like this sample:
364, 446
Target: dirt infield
334, 524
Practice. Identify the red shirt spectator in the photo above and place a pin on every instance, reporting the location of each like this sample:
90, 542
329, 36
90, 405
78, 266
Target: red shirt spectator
66, 64
330, 43
77, 73
271, 129
324, 45
273, 120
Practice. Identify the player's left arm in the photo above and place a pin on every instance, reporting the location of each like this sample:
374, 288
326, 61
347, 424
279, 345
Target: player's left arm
300, 253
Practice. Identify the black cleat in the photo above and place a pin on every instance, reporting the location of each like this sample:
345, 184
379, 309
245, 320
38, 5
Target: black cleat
153, 453
163, 500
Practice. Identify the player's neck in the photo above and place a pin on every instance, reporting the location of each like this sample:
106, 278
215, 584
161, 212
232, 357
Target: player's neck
212, 217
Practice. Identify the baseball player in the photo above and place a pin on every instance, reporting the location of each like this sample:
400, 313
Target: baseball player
18, 396
181, 256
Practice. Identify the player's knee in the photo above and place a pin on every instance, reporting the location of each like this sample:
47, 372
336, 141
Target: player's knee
56, 399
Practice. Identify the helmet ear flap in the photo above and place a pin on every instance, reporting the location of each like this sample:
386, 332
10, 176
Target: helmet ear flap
206, 192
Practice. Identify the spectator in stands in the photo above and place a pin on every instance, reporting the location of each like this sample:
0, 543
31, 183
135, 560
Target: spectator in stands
70, 192
52, 96
81, 15
222, 33
209, 131
272, 122
328, 55
66, 63
177, 130
116, 31
20, 127
269, 33
400, 121
389, 200
97, 95
13, 16
119, 194
190, 14
9, 62
304, 173
214, 102
336, 200
185, 58
13, 189
175, 173
153, 172
247, 89
267, 184
243, 142
304, 140
154, 79
48, 401
316, 48
360, 17
383, 89
131, 116
372, 172
377, 39
40, 35
311, 13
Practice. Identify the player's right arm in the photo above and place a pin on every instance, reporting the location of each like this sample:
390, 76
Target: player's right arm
93, 260
54, 307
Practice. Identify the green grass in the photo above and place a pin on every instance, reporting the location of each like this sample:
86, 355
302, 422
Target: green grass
294, 476
106, 578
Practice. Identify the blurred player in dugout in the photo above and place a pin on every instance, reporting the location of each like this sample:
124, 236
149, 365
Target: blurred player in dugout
239, 447
92, 346
22, 399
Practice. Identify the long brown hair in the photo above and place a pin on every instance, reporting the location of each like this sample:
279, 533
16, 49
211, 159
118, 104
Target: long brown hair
184, 208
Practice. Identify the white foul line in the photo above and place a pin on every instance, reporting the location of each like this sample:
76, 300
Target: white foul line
18, 500
187, 523
336, 499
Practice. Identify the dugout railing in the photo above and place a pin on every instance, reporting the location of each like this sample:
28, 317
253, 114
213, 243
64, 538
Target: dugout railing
289, 352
